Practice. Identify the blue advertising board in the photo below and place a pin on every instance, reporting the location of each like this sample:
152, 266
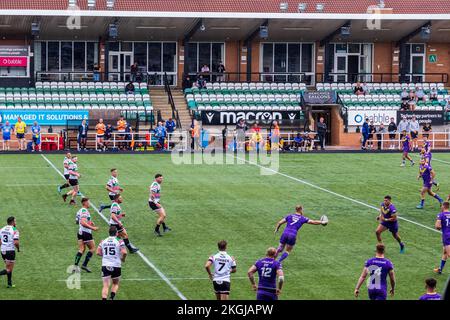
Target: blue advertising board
43, 117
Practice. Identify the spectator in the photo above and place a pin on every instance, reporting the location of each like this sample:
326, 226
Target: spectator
256, 127
426, 129
6, 130
129, 137
322, 131
256, 140
187, 83
21, 128
365, 133
201, 82
100, 129
372, 131
96, 72
405, 105
414, 131
404, 95
365, 88
134, 71
121, 127
358, 89
36, 139
433, 94
108, 135
275, 136
170, 125
298, 142
241, 128
160, 134
380, 135
195, 133
205, 69
412, 100
403, 125
83, 129
420, 94
447, 104
129, 88
392, 129
220, 72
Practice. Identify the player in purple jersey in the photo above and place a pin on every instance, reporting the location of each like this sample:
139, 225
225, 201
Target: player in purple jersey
430, 287
426, 144
427, 156
388, 221
443, 224
268, 270
378, 269
427, 174
406, 147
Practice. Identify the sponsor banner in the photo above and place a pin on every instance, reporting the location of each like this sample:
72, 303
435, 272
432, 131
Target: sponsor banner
13, 51
43, 117
13, 61
357, 117
250, 117
433, 117
320, 97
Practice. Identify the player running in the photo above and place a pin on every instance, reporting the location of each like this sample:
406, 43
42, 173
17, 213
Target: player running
268, 269
378, 268
406, 148
153, 202
74, 175
427, 156
427, 173
85, 239
443, 224
293, 224
66, 162
115, 220
224, 266
113, 188
430, 287
113, 253
388, 221
10, 242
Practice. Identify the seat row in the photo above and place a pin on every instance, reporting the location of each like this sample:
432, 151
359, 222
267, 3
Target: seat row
255, 86
121, 106
380, 86
390, 107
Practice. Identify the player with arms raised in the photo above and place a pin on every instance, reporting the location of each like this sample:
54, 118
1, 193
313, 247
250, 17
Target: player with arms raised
427, 173
443, 224
224, 266
406, 148
268, 270
116, 221
378, 269
113, 253
155, 205
10, 242
388, 221
293, 224
113, 187
85, 239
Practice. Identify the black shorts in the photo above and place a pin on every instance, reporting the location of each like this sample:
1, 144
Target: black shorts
222, 287
85, 237
20, 135
9, 255
100, 136
111, 272
83, 136
111, 197
73, 182
66, 176
414, 134
153, 206
119, 229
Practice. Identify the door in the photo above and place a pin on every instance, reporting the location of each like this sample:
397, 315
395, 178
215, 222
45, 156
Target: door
326, 114
353, 68
417, 68
120, 66
340, 67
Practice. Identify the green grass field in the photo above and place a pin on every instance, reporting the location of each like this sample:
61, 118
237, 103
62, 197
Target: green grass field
207, 203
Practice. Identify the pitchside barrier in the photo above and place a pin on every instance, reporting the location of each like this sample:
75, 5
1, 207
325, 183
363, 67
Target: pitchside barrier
439, 140
49, 141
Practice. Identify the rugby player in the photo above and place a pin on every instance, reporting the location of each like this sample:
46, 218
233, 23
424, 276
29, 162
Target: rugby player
293, 224
388, 221
430, 287
268, 270
113, 253
224, 266
406, 148
10, 242
443, 224
74, 175
378, 269
116, 221
113, 188
153, 202
66, 162
85, 239
427, 173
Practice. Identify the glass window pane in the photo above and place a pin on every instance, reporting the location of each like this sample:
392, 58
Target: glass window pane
307, 58
169, 57
417, 64
280, 57
92, 55
204, 55
267, 57
66, 56
417, 48
154, 56
293, 57
353, 48
79, 56
341, 48
192, 58
140, 55
53, 56
217, 50
126, 46
114, 46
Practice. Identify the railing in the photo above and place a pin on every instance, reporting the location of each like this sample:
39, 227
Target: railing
46, 139
175, 114
343, 111
280, 77
381, 77
393, 141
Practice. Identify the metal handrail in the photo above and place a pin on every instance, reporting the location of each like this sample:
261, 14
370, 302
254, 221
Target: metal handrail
175, 114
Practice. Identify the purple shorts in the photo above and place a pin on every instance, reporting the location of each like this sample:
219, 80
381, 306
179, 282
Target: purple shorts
427, 184
391, 226
405, 152
288, 239
446, 241
377, 295
264, 295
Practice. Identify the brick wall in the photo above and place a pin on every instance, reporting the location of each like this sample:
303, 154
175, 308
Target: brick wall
442, 65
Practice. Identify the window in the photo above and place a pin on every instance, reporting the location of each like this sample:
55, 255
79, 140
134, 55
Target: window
53, 56
140, 54
191, 58
79, 56
91, 55
169, 57
154, 57
204, 53
66, 56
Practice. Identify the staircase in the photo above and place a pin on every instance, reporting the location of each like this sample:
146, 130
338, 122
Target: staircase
160, 103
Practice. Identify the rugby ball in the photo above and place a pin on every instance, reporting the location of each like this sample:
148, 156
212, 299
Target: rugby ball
324, 220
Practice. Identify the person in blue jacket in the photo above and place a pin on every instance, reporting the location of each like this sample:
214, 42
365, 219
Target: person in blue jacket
365, 133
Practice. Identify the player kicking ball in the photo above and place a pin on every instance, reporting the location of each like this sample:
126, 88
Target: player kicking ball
427, 173
406, 148
113, 253
293, 224
85, 239
155, 205
443, 224
388, 221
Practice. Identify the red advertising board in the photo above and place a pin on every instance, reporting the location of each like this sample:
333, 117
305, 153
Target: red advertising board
13, 61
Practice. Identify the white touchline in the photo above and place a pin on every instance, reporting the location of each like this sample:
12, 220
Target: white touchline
143, 257
154, 279
333, 193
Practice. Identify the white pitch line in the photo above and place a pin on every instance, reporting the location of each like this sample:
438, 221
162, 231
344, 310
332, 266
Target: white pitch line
143, 257
152, 279
333, 193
